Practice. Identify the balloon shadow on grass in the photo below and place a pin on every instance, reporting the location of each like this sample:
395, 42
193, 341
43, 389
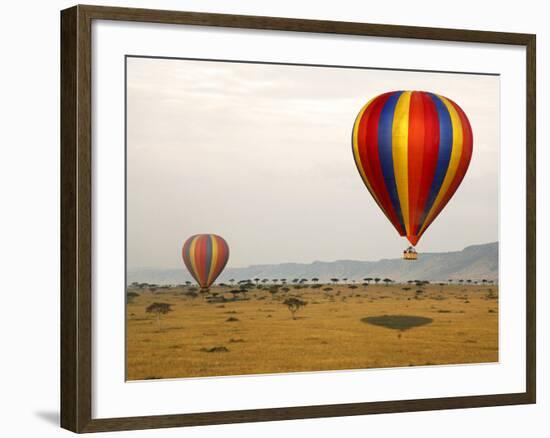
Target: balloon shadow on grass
397, 322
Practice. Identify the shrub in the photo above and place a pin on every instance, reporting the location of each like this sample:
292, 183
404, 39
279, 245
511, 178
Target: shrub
217, 349
130, 296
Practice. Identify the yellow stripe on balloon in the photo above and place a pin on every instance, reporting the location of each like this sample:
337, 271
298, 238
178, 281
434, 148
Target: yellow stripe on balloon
400, 153
214, 257
192, 253
456, 153
357, 156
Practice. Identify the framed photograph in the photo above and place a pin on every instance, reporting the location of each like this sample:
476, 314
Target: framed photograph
271, 218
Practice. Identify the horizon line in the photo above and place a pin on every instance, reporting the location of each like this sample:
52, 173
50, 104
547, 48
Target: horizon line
314, 261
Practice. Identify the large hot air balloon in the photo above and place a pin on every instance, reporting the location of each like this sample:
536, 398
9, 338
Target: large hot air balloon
412, 149
205, 256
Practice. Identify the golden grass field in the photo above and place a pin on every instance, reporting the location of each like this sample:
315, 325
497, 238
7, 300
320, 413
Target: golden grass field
259, 335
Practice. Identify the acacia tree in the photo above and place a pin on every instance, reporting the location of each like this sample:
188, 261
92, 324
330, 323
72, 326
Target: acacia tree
273, 290
387, 281
130, 296
377, 280
159, 309
294, 304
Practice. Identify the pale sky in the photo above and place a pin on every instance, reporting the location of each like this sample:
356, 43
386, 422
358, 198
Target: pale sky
261, 155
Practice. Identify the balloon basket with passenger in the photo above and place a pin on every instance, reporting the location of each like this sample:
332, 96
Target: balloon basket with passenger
410, 254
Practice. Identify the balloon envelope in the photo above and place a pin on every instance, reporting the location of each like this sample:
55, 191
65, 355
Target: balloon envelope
205, 256
412, 149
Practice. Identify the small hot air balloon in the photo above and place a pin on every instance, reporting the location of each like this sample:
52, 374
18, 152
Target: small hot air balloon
205, 256
412, 149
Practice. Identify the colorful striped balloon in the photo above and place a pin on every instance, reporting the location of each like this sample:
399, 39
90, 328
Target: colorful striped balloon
412, 149
205, 256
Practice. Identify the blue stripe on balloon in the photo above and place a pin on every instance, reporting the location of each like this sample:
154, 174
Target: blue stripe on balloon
385, 153
444, 154
208, 258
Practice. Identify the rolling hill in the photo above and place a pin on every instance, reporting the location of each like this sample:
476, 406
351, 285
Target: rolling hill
474, 262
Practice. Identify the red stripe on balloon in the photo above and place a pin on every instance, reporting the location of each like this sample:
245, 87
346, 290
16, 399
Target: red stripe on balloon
221, 258
200, 259
225, 257
464, 162
415, 156
370, 161
363, 162
214, 272
431, 152
361, 124
467, 139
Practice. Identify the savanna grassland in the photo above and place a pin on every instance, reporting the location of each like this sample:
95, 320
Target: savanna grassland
342, 326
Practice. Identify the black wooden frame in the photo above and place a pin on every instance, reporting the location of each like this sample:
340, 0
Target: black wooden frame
76, 219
